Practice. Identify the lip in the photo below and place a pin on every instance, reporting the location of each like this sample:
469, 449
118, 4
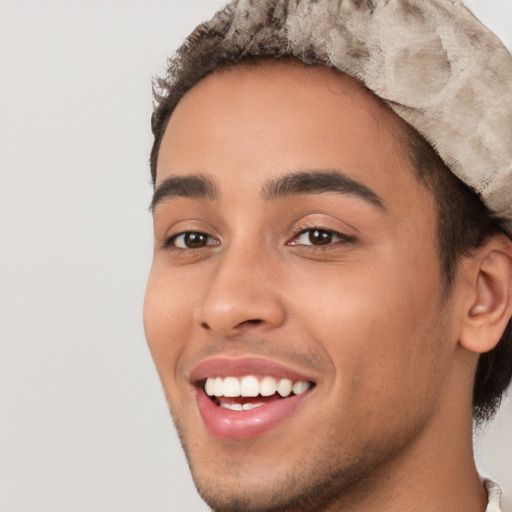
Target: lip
239, 425
238, 367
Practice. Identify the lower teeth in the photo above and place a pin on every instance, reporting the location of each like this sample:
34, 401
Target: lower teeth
240, 407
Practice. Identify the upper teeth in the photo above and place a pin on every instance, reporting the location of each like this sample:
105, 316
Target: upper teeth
251, 386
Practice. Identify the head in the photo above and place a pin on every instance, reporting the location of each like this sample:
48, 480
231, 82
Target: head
369, 263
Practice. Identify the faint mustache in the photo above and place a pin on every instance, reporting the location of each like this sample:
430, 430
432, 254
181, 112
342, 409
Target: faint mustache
256, 346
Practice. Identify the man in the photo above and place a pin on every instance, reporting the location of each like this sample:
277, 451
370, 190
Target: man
330, 298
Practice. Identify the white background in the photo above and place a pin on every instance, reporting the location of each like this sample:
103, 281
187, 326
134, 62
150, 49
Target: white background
83, 422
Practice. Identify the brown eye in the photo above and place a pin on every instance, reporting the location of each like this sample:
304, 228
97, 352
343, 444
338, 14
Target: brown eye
320, 237
316, 237
192, 240
195, 240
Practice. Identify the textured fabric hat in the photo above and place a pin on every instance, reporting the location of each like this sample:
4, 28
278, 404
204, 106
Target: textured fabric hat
432, 61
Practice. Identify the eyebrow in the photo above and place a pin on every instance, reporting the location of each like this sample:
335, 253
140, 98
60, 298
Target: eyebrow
318, 182
198, 186
195, 186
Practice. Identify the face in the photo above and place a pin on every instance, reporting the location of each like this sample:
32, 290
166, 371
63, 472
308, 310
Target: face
293, 306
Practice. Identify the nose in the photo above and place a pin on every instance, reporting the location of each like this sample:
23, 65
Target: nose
242, 294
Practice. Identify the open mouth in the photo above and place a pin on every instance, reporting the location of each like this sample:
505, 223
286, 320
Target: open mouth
241, 398
250, 392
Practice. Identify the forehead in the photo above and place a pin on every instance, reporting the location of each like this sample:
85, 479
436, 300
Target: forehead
247, 124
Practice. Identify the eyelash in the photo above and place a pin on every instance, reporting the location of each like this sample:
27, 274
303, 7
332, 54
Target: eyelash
344, 239
169, 242
301, 230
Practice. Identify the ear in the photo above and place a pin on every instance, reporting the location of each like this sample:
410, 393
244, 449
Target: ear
489, 305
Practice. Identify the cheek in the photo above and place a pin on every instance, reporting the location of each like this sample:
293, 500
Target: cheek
167, 320
379, 325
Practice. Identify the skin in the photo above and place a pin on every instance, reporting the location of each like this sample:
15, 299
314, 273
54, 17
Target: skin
388, 424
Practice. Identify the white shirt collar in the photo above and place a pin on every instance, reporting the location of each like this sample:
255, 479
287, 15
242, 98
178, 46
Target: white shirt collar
494, 492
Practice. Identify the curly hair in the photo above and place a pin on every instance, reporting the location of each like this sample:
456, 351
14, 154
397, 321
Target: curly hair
464, 221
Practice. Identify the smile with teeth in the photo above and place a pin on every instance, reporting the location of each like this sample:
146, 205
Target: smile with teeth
250, 387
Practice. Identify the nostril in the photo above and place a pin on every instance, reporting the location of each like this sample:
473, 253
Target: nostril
227, 328
237, 327
253, 322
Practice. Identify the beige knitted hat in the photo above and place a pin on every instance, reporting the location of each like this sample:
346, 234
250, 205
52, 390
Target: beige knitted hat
432, 61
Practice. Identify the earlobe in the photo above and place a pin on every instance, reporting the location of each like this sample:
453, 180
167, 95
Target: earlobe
491, 303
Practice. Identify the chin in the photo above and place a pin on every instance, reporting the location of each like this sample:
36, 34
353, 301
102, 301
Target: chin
313, 482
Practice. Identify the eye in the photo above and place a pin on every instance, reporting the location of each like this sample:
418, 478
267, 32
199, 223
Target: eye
191, 240
319, 237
